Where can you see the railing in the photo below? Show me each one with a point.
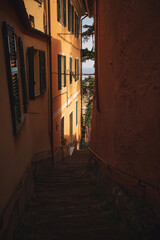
(140, 181)
(6, 213)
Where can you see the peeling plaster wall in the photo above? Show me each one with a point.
(126, 132)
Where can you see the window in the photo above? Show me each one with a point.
(23, 75)
(61, 11)
(70, 70)
(37, 72)
(62, 130)
(76, 69)
(10, 46)
(76, 113)
(61, 71)
(76, 25)
(70, 17)
(31, 19)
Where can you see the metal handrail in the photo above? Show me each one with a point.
(125, 173)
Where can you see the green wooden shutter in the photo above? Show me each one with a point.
(78, 26)
(12, 75)
(64, 71)
(23, 75)
(42, 71)
(75, 25)
(70, 70)
(77, 69)
(69, 17)
(72, 19)
(59, 72)
(59, 9)
(76, 112)
(30, 53)
(64, 12)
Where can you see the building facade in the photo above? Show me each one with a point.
(25, 108)
(125, 133)
(66, 69)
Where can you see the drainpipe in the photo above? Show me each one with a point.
(50, 63)
(81, 79)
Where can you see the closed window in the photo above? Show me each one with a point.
(76, 69)
(61, 11)
(36, 72)
(76, 113)
(76, 25)
(70, 17)
(61, 71)
(17, 88)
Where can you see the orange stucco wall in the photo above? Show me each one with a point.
(64, 101)
(16, 152)
(126, 131)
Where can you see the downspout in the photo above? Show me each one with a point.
(50, 63)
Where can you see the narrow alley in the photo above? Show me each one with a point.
(68, 204)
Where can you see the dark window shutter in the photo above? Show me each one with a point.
(64, 12)
(70, 70)
(42, 71)
(59, 72)
(75, 25)
(59, 9)
(12, 75)
(75, 69)
(76, 112)
(23, 75)
(72, 19)
(69, 17)
(30, 53)
(64, 71)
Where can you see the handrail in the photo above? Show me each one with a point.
(18, 188)
(125, 173)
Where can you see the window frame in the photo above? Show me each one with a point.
(62, 78)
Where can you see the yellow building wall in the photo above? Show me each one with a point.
(64, 101)
(39, 12)
(16, 152)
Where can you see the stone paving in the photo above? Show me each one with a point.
(63, 207)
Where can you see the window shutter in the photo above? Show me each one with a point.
(59, 9)
(75, 24)
(42, 70)
(75, 69)
(30, 53)
(69, 17)
(72, 19)
(64, 12)
(23, 75)
(59, 72)
(64, 71)
(12, 75)
(70, 70)
(76, 112)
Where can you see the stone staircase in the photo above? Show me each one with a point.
(65, 205)
(62, 206)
